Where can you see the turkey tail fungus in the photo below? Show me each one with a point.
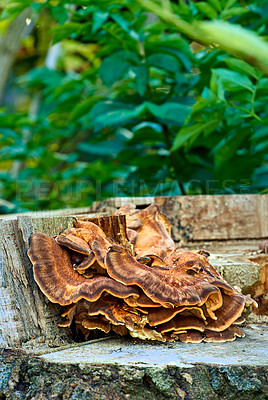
(123, 273)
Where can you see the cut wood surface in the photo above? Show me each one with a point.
(49, 214)
(207, 217)
(121, 369)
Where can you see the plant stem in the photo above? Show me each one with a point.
(172, 158)
(204, 32)
(246, 111)
(253, 97)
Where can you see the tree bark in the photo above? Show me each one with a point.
(26, 377)
(25, 313)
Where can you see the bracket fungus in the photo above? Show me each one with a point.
(124, 273)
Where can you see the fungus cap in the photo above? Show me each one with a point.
(54, 274)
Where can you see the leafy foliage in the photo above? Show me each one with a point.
(133, 107)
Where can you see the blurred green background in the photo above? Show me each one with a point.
(131, 98)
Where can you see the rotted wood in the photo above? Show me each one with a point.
(200, 218)
(259, 290)
(114, 226)
(25, 313)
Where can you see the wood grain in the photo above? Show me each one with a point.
(25, 313)
(206, 217)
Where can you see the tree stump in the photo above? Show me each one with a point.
(127, 368)
(25, 313)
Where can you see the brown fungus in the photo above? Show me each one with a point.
(88, 236)
(145, 333)
(152, 260)
(144, 301)
(231, 309)
(54, 273)
(113, 310)
(191, 336)
(68, 314)
(227, 335)
(153, 232)
(188, 261)
(86, 263)
(96, 323)
(162, 287)
(182, 323)
(88, 225)
(74, 243)
(161, 315)
(124, 273)
(120, 330)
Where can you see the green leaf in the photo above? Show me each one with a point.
(216, 86)
(146, 132)
(73, 29)
(229, 3)
(184, 9)
(164, 61)
(206, 9)
(172, 45)
(84, 108)
(112, 69)
(211, 126)
(170, 113)
(37, 6)
(11, 9)
(231, 12)
(125, 26)
(263, 83)
(60, 14)
(227, 147)
(261, 177)
(142, 79)
(260, 133)
(192, 132)
(99, 18)
(101, 149)
(215, 4)
(149, 126)
(68, 158)
(111, 115)
(232, 80)
(17, 152)
(163, 43)
(242, 67)
(261, 146)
